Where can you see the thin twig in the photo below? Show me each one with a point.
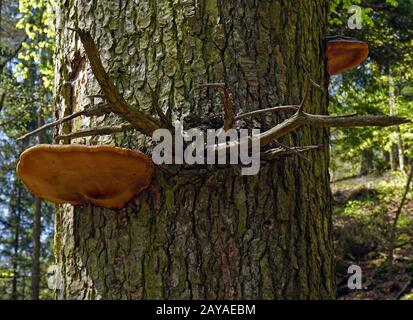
(316, 85)
(284, 152)
(97, 131)
(353, 120)
(96, 96)
(291, 149)
(300, 119)
(322, 121)
(267, 110)
(88, 112)
(226, 101)
(306, 93)
(396, 219)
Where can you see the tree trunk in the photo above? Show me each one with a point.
(16, 209)
(398, 152)
(201, 232)
(35, 276)
(37, 228)
(366, 161)
(23, 283)
(400, 149)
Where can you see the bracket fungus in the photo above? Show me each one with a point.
(104, 176)
(344, 53)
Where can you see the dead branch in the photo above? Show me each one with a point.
(353, 120)
(291, 149)
(301, 118)
(96, 131)
(306, 94)
(286, 152)
(97, 110)
(267, 110)
(316, 85)
(140, 120)
(226, 101)
(147, 124)
(285, 127)
(96, 96)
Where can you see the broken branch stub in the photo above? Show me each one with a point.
(226, 100)
(266, 110)
(300, 119)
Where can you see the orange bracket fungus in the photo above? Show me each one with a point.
(344, 53)
(104, 176)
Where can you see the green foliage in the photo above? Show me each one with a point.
(25, 81)
(19, 115)
(339, 14)
(37, 20)
(388, 30)
(364, 212)
(408, 296)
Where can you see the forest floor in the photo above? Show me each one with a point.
(364, 211)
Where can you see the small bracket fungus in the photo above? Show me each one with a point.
(344, 53)
(104, 176)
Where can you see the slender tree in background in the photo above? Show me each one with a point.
(399, 145)
(37, 224)
(393, 229)
(20, 247)
(25, 53)
(15, 209)
(201, 232)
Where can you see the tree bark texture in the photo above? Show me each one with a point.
(201, 232)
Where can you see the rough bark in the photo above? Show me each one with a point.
(200, 232)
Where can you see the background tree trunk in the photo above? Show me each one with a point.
(201, 232)
(366, 164)
(397, 153)
(35, 279)
(16, 209)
